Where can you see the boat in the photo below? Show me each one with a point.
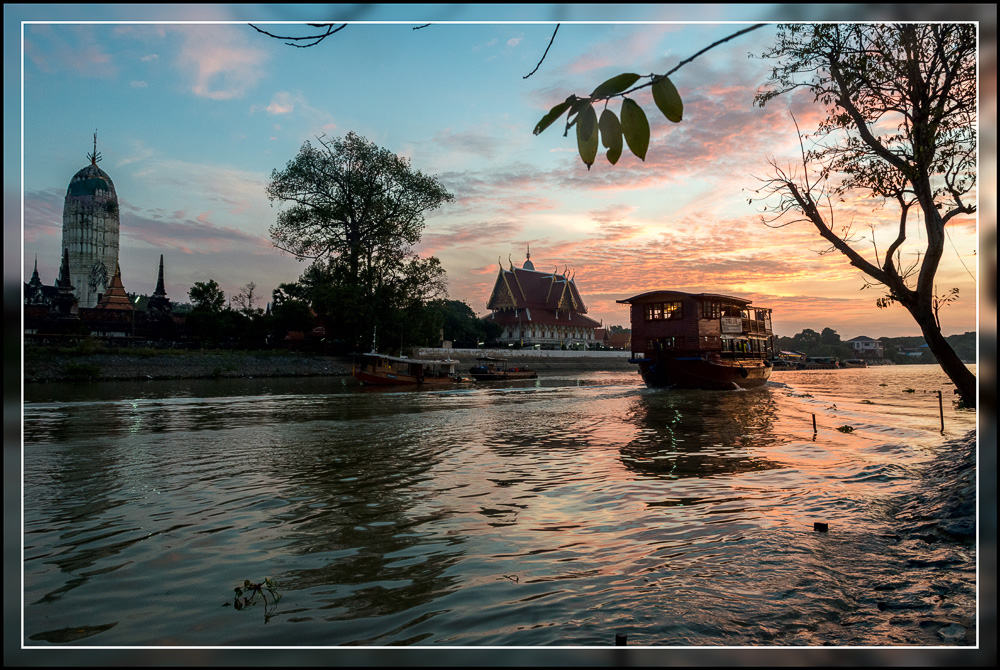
(820, 363)
(498, 370)
(382, 370)
(853, 363)
(700, 340)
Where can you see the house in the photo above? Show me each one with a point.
(866, 347)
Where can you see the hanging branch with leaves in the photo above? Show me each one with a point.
(633, 127)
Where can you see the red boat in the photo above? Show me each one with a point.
(700, 340)
(383, 370)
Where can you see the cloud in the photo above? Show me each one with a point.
(76, 49)
(138, 84)
(281, 103)
(218, 63)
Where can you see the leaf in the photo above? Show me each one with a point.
(611, 135)
(552, 115)
(667, 98)
(615, 85)
(586, 135)
(635, 127)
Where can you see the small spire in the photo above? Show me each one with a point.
(528, 255)
(160, 290)
(94, 157)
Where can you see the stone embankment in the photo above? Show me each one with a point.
(41, 366)
(48, 366)
(538, 359)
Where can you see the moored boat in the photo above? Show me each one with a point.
(498, 370)
(383, 370)
(700, 341)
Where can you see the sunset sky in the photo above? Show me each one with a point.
(193, 110)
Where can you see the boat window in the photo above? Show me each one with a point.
(659, 311)
(671, 342)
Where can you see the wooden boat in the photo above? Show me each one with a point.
(853, 363)
(384, 370)
(498, 370)
(820, 363)
(700, 341)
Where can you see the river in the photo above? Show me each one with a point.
(559, 512)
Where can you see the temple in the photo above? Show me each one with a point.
(91, 230)
(539, 309)
(86, 298)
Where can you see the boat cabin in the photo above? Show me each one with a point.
(382, 369)
(692, 324)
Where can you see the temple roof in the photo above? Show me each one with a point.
(115, 297)
(522, 288)
(540, 317)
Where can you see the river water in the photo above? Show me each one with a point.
(556, 512)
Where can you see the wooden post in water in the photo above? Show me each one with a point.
(814, 424)
(941, 408)
(621, 640)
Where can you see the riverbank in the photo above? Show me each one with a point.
(42, 365)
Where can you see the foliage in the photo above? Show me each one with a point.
(461, 326)
(356, 210)
(633, 126)
(352, 204)
(845, 429)
(900, 106)
(207, 296)
(247, 298)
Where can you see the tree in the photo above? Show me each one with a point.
(829, 336)
(356, 212)
(247, 298)
(207, 296)
(900, 128)
(354, 204)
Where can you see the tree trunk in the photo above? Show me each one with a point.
(957, 371)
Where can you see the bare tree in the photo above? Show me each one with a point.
(900, 127)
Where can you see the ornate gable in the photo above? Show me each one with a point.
(502, 296)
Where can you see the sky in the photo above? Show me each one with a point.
(194, 109)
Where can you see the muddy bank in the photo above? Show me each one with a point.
(42, 366)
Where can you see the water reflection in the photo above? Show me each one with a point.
(356, 502)
(701, 434)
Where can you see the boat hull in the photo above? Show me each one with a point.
(698, 373)
(503, 376)
(388, 379)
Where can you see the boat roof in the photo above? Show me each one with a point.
(664, 294)
(491, 358)
(404, 359)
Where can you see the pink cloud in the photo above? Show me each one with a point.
(219, 63)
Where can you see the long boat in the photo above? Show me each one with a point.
(498, 370)
(700, 340)
(382, 370)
